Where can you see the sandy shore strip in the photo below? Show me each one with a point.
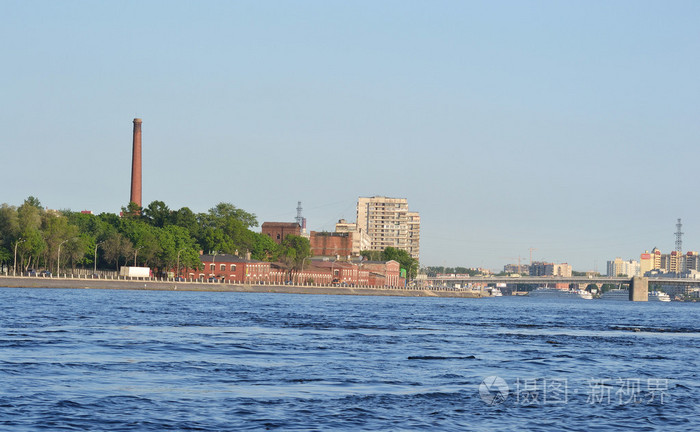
(42, 282)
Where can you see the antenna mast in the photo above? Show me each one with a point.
(299, 218)
(679, 237)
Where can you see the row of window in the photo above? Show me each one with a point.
(222, 267)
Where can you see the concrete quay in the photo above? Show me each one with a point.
(164, 285)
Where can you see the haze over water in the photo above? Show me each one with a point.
(133, 360)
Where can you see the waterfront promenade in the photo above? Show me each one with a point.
(171, 285)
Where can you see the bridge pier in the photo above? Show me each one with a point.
(639, 289)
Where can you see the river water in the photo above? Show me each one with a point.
(118, 360)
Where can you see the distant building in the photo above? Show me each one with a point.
(619, 267)
(413, 234)
(516, 268)
(550, 269)
(672, 263)
(656, 259)
(646, 263)
(360, 240)
(692, 261)
(332, 244)
(230, 268)
(277, 231)
(388, 223)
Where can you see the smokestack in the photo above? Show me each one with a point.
(136, 164)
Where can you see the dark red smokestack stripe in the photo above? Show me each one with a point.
(136, 164)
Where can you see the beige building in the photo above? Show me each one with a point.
(618, 267)
(413, 234)
(673, 262)
(389, 223)
(646, 263)
(360, 240)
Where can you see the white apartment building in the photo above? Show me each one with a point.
(618, 267)
(389, 223)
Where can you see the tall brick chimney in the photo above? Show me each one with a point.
(136, 164)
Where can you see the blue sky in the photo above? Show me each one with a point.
(568, 127)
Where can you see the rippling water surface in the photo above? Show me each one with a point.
(152, 360)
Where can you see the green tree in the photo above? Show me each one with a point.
(117, 247)
(371, 255)
(157, 214)
(407, 262)
(226, 210)
(264, 248)
(132, 210)
(57, 232)
(293, 251)
(29, 217)
(144, 238)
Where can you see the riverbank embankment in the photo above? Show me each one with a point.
(158, 285)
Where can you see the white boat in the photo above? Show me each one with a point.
(560, 293)
(659, 296)
(616, 294)
(495, 292)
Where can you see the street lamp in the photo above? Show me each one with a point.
(19, 240)
(178, 263)
(95, 259)
(58, 260)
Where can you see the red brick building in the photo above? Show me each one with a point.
(373, 273)
(233, 269)
(277, 231)
(384, 273)
(331, 244)
(230, 268)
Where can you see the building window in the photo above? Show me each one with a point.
(223, 267)
(233, 267)
(212, 267)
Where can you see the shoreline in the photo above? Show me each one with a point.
(152, 285)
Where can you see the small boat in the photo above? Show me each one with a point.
(659, 296)
(495, 292)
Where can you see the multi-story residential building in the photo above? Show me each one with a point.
(646, 263)
(692, 261)
(619, 267)
(413, 234)
(550, 269)
(656, 259)
(516, 268)
(388, 223)
(673, 262)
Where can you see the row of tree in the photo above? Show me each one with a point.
(153, 236)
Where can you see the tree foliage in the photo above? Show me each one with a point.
(293, 251)
(407, 263)
(153, 236)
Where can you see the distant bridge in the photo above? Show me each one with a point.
(542, 280)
